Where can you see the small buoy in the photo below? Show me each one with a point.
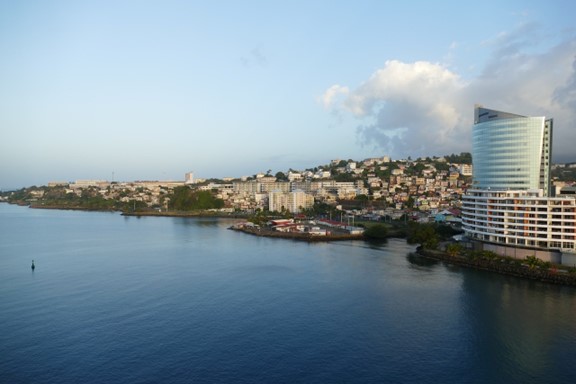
(33, 266)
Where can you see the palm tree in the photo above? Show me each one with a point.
(453, 249)
(532, 261)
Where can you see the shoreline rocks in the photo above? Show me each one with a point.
(504, 266)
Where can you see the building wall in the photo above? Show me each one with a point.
(466, 170)
(189, 178)
(283, 186)
(246, 187)
(524, 219)
(293, 202)
(552, 256)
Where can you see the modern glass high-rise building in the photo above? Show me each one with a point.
(511, 151)
(509, 209)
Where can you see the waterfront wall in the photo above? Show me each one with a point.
(569, 259)
(553, 256)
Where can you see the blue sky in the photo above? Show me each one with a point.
(148, 90)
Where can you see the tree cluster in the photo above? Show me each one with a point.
(429, 235)
(462, 158)
(185, 199)
(376, 232)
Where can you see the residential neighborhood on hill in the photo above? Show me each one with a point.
(375, 188)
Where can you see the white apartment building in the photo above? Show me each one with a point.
(293, 202)
(465, 169)
(522, 223)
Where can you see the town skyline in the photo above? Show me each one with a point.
(424, 183)
(146, 91)
(260, 172)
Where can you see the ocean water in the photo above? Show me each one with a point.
(118, 299)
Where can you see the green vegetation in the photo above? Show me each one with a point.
(384, 171)
(281, 176)
(320, 209)
(259, 218)
(533, 262)
(376, 232)
(429, 235)
(462, 158)
(423, 234)
(454, 249)
(441, 166)
(91, 198)
(344, 177)
(564, 174)
(262, 217)
(414, 169)
(185, 199)
(58, 197)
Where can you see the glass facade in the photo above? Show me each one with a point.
(511, 151)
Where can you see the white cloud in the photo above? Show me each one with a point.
(405, 106)
(331, 94)
(423, 108)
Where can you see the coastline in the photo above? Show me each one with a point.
(136, 213)
(66, 208)
(184, 214)
(503, 266)
(297, 236)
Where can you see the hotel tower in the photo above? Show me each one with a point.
(510, 209)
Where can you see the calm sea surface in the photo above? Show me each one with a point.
(119, 299)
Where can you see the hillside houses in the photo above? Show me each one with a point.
(405, 184)
(422, 185)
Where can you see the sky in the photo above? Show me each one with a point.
(150, 90)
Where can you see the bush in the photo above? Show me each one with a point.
(184, 199)
(423, 234)
(376, 232)
(454, 249)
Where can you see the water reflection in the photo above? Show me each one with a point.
(421, 261)
(377, 244)
(520, 338)
(116, 290)
(204, 221)
(196, 221)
